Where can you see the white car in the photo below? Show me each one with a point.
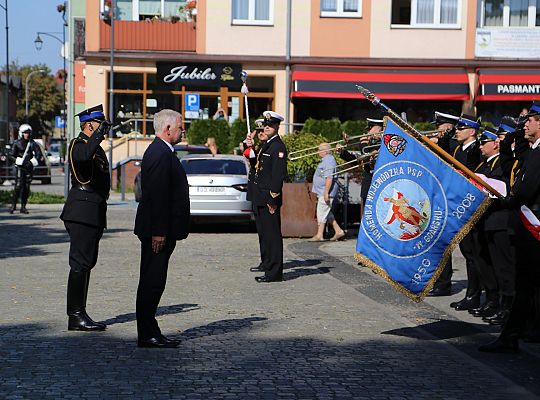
(218, 187)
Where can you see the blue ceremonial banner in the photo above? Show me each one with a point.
(417, 210)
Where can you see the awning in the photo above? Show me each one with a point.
(508, 84)
(395, 83)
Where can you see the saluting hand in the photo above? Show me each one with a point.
(158, 242)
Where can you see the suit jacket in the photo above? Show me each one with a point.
(164, 206)
(87, 199)
(270, 173)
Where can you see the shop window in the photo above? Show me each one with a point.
(427, 13)
(341, 8)
(128, 81)
(263, 84)
(128, 107)
(252, 12)
(510, 13)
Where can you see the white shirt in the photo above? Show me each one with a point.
(168, 144)
(463, 147)
(492, 157)
(536, 144)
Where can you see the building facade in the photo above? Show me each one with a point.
(304, 57)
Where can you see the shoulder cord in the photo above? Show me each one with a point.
(73, 166)
(513, 173)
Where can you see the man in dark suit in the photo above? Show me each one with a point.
(162, 219)
(84, 212)
(271, 169)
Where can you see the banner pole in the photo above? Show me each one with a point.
(433, 146)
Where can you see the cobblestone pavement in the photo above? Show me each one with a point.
(331, 330)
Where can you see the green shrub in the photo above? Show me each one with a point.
(330, 129)
(35, 197)
(238, 132)
(304, 168)
(424, 126)
(200, 129)
(355, 128)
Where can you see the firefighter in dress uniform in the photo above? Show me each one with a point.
(84, 212)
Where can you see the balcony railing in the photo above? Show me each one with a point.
(149, 35)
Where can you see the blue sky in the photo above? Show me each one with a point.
(26, 18)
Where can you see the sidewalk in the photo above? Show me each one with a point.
(321, 334)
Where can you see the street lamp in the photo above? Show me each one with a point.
(38, 42)
(38, 71)
(5, 8)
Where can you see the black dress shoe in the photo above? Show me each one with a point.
(159, 342)
(258, 268)
(501, 345)
(265, 279)
(24, 211)
(80, 321)
(467, 303)
(177, 341)
(440, 291)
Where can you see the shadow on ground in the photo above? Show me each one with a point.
(234, 359)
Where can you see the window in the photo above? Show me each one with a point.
(138, 10)
(252, 12)
(510, 13)
(427, 13)
(341, 8)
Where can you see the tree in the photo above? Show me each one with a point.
(44, 98)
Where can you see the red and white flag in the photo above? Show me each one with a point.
(530, 221)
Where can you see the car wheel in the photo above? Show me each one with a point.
(46, 181)
(137, 190)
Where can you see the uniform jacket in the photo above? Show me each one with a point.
(495, 218)
(89, 168)
(252, 168)
(526, 190)
(164, 206)
(271, 171)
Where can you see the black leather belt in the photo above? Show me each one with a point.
(83, 187)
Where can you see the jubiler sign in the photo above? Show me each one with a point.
(175, 75)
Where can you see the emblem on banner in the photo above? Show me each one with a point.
(398, 209)
(395, 144)
(406, 209)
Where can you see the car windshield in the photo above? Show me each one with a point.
(214, 167)
(55, 148)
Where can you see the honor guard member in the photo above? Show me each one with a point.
(270, 173)
(23, 155)
(467, 151)
(446, 126)
(492, 241)
(525, 192)
(84, 212)
(251, 152)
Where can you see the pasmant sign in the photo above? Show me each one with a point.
(176, 75)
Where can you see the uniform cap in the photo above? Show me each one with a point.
(468, 121)
(535, 109)
(507, 125)
(272, 117)
(442, 118)
(488, 135)
(374, 122)
(259, 124)
(92, 114)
